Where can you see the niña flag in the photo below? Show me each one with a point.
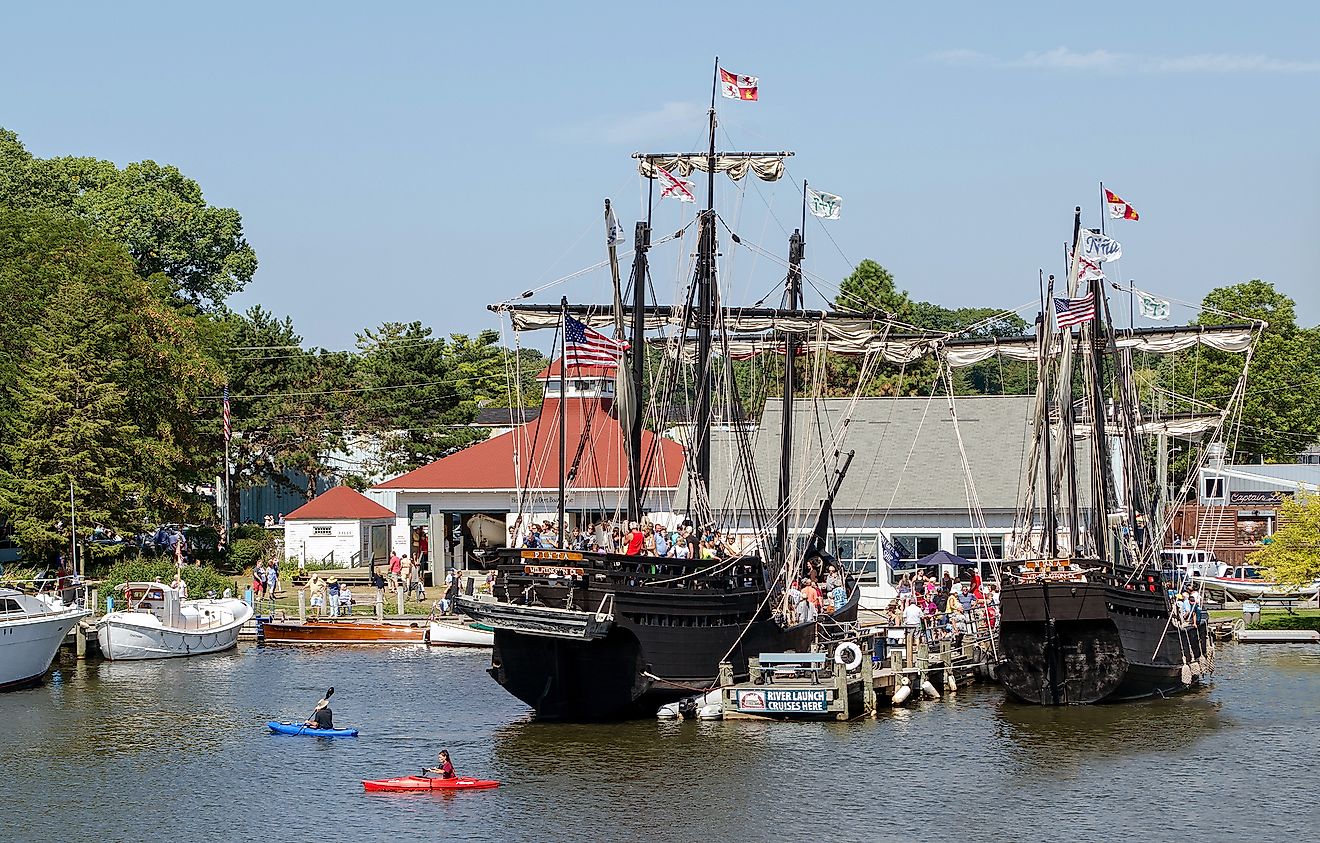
(674, 186)
(737, 87)
(824, 205)
(225, 410)
(1118, 209)
(1069, 312)
(585, 346)
(1094, 246)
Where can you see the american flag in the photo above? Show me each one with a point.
(587, 347)
(1071, 312)
(226, 412)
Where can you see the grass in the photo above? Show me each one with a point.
(1232, 614)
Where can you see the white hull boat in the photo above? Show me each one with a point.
(458, 634)
(1245, 582)
(31, 630)
(161, 624)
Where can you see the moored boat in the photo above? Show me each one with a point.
(161, 623)
(455, 633)
(31, 630)
(1246, 582)
(321, 631)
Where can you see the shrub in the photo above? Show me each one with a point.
(246, 553)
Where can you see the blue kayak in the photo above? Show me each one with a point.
(300, 729)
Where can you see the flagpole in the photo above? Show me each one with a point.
(804, 210)
(1102, 208)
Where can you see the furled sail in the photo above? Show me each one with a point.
(766, 166)
(1179, 427)
(1232, 338)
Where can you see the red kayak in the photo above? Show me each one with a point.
(428, 783)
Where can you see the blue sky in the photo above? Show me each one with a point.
(398, 161)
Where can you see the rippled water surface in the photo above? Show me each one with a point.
(178, 750)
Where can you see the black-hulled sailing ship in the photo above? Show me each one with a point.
(586, 635)
(1086, 613)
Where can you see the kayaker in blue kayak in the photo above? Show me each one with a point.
(446, 768)
(322, 717)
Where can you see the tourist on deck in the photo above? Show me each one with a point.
(660, 541)
(636, 540)
(314, 587)
(794, 594)
(912, 615)
(346, 600)
(811, 594)
(839, 597)
(805, 612)
(681, 548)
(532, 538)
(833, 579)
(333, 588)
(693, 541)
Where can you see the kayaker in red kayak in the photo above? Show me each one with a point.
(446, 768)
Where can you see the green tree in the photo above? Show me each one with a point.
(870, 288)
(103, 390)
(154, 210)
(1293, 555)
(1281, 413)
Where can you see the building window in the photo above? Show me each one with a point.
(1214, 487)
(915, 546)
(319, 530)
(979, 547)
(857, 553)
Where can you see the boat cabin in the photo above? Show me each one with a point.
(171, 608)
(1182, 563)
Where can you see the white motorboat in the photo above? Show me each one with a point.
(31, 629)
(160, 623)
(1246, 581)
(456, 633)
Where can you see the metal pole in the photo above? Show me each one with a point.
(73, 529)
(563, 432)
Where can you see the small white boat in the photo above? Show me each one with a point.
(441, 633)
(1246, 581)
(31, 629)
(160, 623)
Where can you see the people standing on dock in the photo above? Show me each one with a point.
(332, 588)
(396, 565)
(314, 588)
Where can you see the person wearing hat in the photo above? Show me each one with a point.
(332, 587)
(322, 717)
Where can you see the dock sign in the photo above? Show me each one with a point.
(782, 700)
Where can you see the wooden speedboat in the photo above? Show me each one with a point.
(342, 632)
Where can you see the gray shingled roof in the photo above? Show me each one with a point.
(910, 442)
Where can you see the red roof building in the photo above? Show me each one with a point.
(340, 526)
(337, 504)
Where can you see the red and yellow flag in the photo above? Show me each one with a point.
(1118, 209)
(737, 87)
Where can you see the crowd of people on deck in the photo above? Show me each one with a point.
(814, 595)
(944, 608)
(635, 538)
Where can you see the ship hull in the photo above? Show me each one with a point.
(624, 644)
(1076, 643)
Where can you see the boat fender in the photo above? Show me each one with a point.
(1186, 674)
(900, 696)
(668, 711)
(929, 690)
(710, 712)
(950, 683)
(848, 655)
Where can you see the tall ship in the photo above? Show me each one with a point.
(1087, 613)
(592, 634)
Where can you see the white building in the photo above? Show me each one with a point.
(340, 527)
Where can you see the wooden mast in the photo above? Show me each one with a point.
(636, 490)
(704, 317)
(563, 414)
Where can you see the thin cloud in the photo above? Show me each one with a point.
(1108, 61)
(670, 119)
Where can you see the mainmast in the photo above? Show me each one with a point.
(705, 282)
(641, 242)
(792, 301)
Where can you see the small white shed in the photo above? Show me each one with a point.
(339, 527)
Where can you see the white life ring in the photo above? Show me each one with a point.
(848, 655)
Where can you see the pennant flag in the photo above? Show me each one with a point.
(585, 346)
(737, 87)
(824, 205)
(225, 412)
(1089, 271)
(613, 231)
(1094, 246)
(1069, 312)
(1118, 209)
(679, 189)
(1152, 307)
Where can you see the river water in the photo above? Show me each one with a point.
(178, 750)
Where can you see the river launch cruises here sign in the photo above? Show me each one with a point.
(785, 700)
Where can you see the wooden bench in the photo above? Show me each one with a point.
(1280, 601)
(791, 666)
